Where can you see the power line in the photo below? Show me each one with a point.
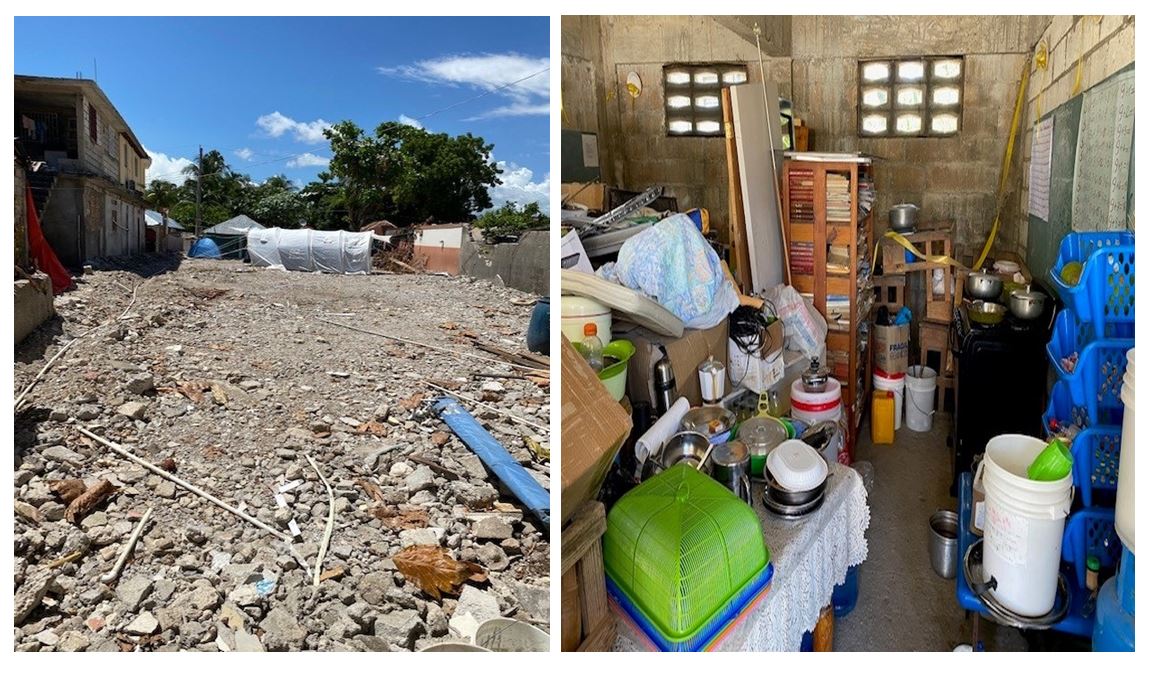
(483, 94)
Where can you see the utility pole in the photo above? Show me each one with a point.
(199, 178)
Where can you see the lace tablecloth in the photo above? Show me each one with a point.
(811, 557)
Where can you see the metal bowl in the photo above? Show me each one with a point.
(685, 446)
(789, 511)
(1026, 304)
(986, 313)
(983, 286)
(709, 420)
(781, 495)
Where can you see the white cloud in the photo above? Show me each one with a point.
(519, 187)
(277, 124)
(411, 122)
(491, 73)
(308, 159)
(244, 153)
(165, 167)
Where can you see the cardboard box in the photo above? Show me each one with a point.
(892, 344)
(686, 353)
(593, 428)
(591, 196)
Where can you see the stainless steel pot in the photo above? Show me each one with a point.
(1026, 304)
(944, 543)
(903, 217)
(781, 495)
(983, 286)
(731, 466)
(686, 446)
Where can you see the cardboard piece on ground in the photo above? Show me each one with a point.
(686, 353)
(892, 344)
(593, 428)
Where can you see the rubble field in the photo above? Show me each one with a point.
(225, 375)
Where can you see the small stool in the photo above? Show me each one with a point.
(889, 290)
(935, 338)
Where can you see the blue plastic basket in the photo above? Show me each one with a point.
(1070, 335)
(1062, 411)
(1096, 464)
(1098, 378)
(1105, 292)
(1091, 531)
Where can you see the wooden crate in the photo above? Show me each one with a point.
(935, 338)
(889, 291)
(929, 242)
(588, 624)
(940, 306)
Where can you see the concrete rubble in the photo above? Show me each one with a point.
(226, 371)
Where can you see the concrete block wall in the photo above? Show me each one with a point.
(523, 265)
(1106, 45)
(21, 216)
(953, 178)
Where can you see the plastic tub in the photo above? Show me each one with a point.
(509, 635)
(1023, 531)
(1125, 483)
(575, 311)
(894, 383)
(920, 397)
(614, 377)
(796, 466)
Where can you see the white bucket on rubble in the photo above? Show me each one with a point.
(1023, 531)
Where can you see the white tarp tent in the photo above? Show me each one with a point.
(304, 250)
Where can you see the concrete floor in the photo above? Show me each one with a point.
(903, 605)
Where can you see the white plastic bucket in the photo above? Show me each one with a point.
(812, 407)
(920, 397)
(576, 311)
(509, 635)
(893, 383)
(1125, 493)
(1023, 531)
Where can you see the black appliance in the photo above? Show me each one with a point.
(1000, 381)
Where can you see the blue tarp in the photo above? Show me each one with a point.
(204, 248)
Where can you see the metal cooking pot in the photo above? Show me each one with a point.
(781, 495)
(983, 286)
(815, 378)
(731, 466)
(686, 446)
(903, 217)
(1026, 304)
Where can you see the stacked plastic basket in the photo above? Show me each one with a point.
(1094, 276)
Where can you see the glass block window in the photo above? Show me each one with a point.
(920, 96)
(691, 94)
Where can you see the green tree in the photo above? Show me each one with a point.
(362, 167)
(323, 204)
(509, 221)
(162, 194)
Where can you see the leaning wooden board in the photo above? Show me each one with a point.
(755, 139)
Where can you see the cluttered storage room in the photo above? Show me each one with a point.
(848, 333)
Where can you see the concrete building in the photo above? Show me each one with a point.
(440, 246)
(89, 188)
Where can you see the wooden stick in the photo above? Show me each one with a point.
(435, 466)
(327, 528)
(489, 407)
(183, 483)
(111, 574)
(426, 346)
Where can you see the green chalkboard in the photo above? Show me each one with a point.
(1044, 236)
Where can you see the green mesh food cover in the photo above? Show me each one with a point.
(684, 550)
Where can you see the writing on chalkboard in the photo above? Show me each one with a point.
(1103, 156)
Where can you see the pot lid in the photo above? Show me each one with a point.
(762, 434)
(796, 466)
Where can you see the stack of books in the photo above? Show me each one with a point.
(801, 257)
(801, 194)
(838, 198)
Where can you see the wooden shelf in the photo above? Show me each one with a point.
(809, 234)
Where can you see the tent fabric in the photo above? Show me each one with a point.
(156, 219)
(306, 250)
(204, 248)
(240, 225)
(42, 251)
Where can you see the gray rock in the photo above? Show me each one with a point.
(53, 511)
(162, 590)
(145, 624)
(400, 627)
(135, 410)
(480, 604)
(133, 590)
(437, 621)
(95, 519)
(475, 497)
(426, 536)
(21, 477)
(73, 642)
(420, 479)
(172, 616)
(166, 489)
(374, 586)
(59, 453)
(492, 557)
(246, 642)
(194, 632)
(87, 412)
(492, 527)
(371, 643)
(47, 637)
(203, 596)
(140, 384)
(281, 631)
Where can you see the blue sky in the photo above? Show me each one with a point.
(261, 89)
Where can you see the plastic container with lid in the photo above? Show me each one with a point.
(575, 311)
(796, 466)
(883, 409)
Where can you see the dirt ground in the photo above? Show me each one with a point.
(230, 372)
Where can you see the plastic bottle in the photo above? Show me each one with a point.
(592, 347)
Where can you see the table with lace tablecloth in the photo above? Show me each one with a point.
(811, 556)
